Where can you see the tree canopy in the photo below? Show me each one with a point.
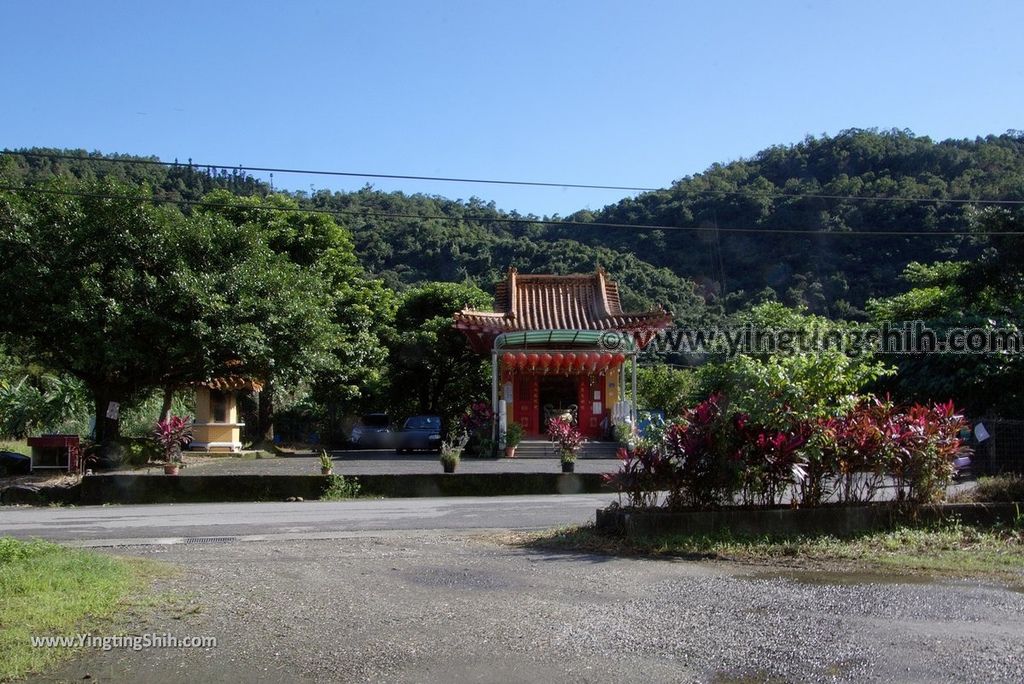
(127, 296)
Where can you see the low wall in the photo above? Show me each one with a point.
(827, 520)
(134, 489)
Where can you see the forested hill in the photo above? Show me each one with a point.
(801, 187)
(411, 238)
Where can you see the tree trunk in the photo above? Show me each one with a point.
(165, 409)
(108, 430)
(265, 413)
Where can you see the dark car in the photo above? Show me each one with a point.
(13, 463)
(373, 431)
(421, 433)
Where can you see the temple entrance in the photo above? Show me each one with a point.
(559, 396)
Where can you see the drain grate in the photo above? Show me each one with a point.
(208, 540)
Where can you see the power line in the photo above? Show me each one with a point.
(491, 181)
(370, 213)
(349, 174)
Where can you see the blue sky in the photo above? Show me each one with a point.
(623, 93)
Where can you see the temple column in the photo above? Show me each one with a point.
(633, 409)
(494, 394)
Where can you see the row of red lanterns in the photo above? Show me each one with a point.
(564, 362)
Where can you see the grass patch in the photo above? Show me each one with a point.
(997, 488)
(947, 548)
(17, 446)
(51, 590)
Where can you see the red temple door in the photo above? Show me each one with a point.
(591, 406)
(526, 407)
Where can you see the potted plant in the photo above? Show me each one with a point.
(568, 461)
(513, 436)
(172, 434)
(450, 455)
(569, 440)
(326, 465)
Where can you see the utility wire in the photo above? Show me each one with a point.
(491, 181)
(370, 213)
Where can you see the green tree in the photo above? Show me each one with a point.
(661, 386)
(986, 294)
(127, 296)
(813, 379)
(432, 368)
(350, 366)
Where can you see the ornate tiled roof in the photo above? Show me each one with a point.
(558, 302)
(232, 382)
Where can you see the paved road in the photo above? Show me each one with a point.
(100, 525)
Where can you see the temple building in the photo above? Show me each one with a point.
(560, 346)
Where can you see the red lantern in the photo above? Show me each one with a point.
(531, 360)
(619, 358)
(508, 360)
(606, 360)
(556, 362)
(577, 361)
(545, 362)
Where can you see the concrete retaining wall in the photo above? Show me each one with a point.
(133, 489)
(831, 520)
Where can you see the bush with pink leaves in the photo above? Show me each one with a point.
(711, 457)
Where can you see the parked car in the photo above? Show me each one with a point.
(373, 431)
(421, 433)
(13, 463)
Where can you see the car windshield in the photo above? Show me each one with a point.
(423, 423)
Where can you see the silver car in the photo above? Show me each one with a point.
(373, 431)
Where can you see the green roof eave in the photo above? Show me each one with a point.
(592, 338)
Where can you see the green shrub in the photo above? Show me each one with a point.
(340, 488)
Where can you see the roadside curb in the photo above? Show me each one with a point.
(832, 520)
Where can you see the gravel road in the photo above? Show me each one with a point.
(427, 606)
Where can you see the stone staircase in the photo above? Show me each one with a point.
(543, 449)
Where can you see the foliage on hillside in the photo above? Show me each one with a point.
(829, 272)
(409, 239)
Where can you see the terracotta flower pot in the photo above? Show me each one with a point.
(170, 469)
(510, 452)
(326, 471)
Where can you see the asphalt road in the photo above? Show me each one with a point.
(167, 523)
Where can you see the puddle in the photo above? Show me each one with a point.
(842, 578)
(461, 579)
(745, 677)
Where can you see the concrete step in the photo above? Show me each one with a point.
(543, 449)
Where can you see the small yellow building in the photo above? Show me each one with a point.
(217, 426)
